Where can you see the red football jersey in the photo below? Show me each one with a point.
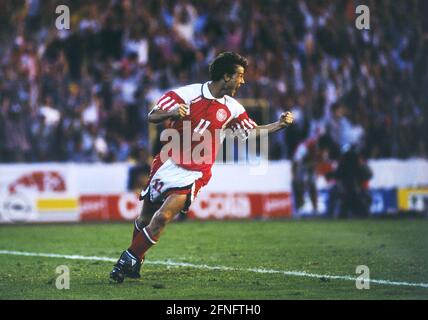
(202, 130)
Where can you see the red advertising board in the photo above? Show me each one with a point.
(122, 207)
(117, 207)
(241, 205)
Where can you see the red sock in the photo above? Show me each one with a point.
(134, 234)
(142, 242)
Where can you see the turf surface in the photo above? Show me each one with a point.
(394, 250)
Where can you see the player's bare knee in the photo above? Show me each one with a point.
(162, 217)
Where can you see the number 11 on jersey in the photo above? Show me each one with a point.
(202, 126)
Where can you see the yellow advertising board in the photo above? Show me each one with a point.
(413, 199)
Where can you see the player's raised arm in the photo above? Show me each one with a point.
(169, 106)
(285, 120)
(158, 115)
(242, 126)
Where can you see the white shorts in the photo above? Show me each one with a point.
(170, 178)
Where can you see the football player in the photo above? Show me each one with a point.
(179, 172)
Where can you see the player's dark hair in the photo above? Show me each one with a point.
(225, 63)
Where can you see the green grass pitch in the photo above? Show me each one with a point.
(395, 250)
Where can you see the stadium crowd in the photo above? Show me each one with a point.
(83, 94)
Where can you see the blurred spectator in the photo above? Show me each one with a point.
(96, 81)
(340, 128)
(350, 197)
(309, 156)
(14, 125)
(140, 170)
(184, 20)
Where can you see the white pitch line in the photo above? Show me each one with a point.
(170, 263)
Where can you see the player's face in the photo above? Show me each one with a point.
(236, 81)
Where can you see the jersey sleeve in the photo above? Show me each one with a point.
(169, 102)
(242, 125)
(173, 98)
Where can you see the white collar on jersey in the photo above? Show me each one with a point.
(207, 93)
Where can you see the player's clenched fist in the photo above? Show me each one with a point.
(286, 118)
(182, 111)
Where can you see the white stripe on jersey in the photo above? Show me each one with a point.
(174, 107)
(248, 124)
(244, 126)
(168, 105)
(162, 101)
